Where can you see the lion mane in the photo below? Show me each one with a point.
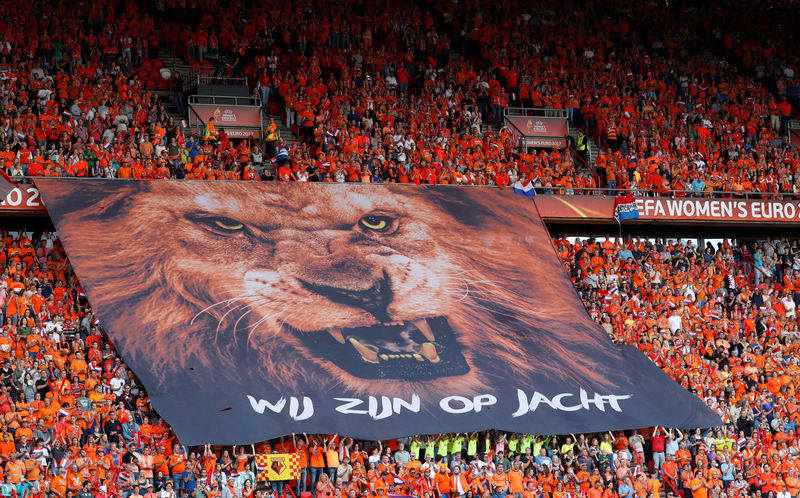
(189, 276)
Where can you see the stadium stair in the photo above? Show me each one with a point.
(594, 149)
(284, 132)
(455, 55)
(175, 63)
(173, 60)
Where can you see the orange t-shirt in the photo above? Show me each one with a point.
(594, 492)
(701, 492)
(59, 486)
(303, 457)
(316, 456)
(515, 479)
(78, 367)
(443, 480)
(178, 463)
(500, 479)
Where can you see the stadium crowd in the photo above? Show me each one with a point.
(392, 92)
(404, 93)
(721, 321)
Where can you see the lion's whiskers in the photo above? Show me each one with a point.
(236, 326)
(486, 296)
(222, 318)
(218, 303)
(492, 283)
(465, 288)
(495, 311)
(276, 315)
(458, 284)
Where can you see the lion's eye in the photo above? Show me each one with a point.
(376, 223)
(220, 224)
(228, 224)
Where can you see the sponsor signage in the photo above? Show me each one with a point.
(540, 131)
(563, 207)
(22, 198)
(239, 121)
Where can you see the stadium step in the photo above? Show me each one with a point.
(594, 149)
(173, 61)
(284, 132)
(455, 55)
(488, 127)
(167, 97)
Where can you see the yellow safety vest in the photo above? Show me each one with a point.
(211, 131)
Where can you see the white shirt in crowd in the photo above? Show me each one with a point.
(789, 306)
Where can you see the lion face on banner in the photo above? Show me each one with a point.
(390, 291)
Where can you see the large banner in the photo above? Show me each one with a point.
(253, 310)
(232, 118)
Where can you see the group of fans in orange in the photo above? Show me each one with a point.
(389, 92)
(76, 421)
(376, 101)
(403, 94)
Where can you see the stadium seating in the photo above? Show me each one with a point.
(378, 103)
(720, 325)
(684, 100)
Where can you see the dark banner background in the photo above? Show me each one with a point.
(253, 310)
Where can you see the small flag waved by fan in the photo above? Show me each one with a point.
(625, 208)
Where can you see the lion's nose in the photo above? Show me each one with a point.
(374, 299)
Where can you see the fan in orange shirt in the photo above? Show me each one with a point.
(441, 482)
(78, 367)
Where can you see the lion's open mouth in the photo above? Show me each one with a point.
(411, 350)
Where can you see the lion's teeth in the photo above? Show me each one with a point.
(337, 334)
(384, 357)
(366, 353)
(418, 357)
(428, 350)
(423, 327)
(394, 323)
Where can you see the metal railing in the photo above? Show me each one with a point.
(213, 77)
(194, 75)
(252, 100)
(718, 194)
(793, 130)
(196, 123)
(542, 112)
